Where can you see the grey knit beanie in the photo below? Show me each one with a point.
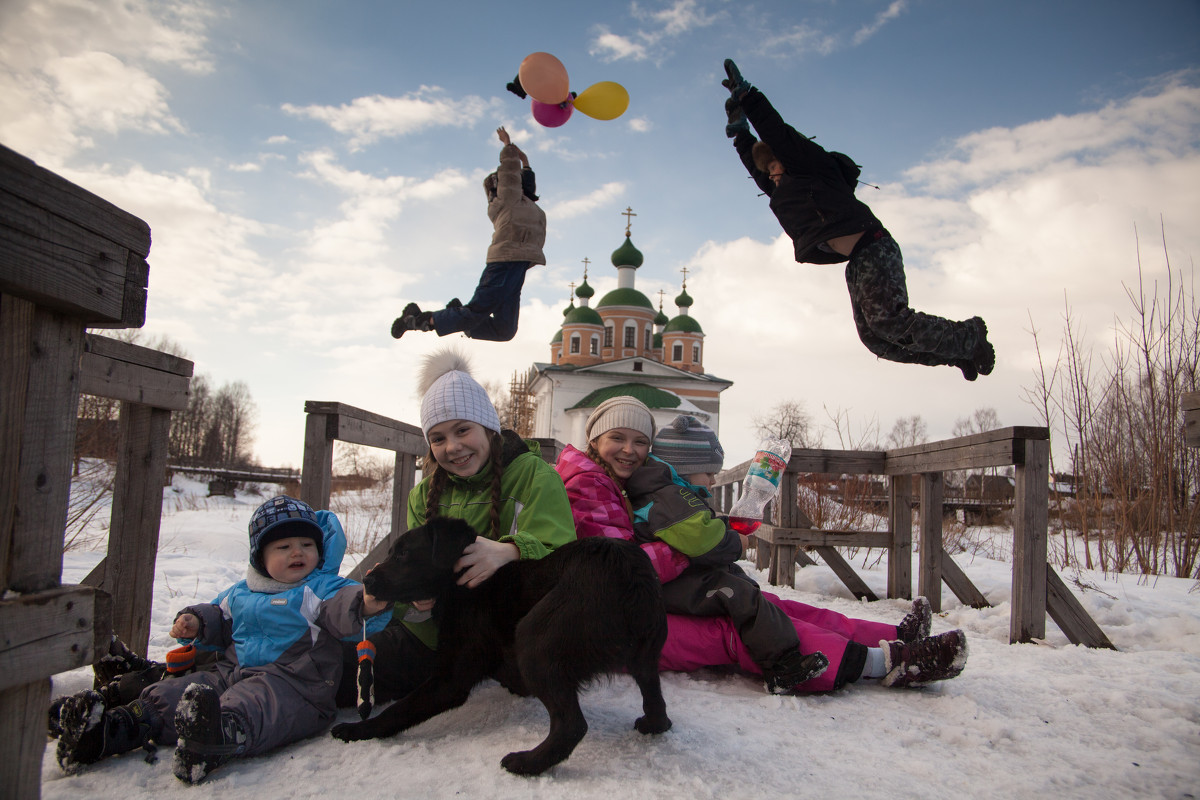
(620, 412)
(690, 446)
(449, 392)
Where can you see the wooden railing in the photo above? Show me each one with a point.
(1037, 589)
(68, 260)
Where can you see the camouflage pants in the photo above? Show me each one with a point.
(886, 325)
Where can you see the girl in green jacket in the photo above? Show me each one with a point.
(479, 473)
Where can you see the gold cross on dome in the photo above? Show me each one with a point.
(629, 215)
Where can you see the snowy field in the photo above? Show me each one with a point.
(1047, 719)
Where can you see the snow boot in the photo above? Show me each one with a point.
(90, 732)
(936, 658)
(915, 626)
(412, 319)
(119, 661)
(983, 357)
(793, 669)
(208, 737)
(735, 83)
(454, 303)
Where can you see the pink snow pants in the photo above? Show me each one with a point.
(695, 642)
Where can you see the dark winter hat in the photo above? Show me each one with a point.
(762, 155)
(529, 184)
(690, 446)
(280, 518)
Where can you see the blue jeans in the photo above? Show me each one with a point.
(492, 313)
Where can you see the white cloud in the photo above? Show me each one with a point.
(894, 10)
(640, 125)
(75, 67)
(670, 22)
(583, 205)
(368, 119)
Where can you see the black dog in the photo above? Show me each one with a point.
(543, 627)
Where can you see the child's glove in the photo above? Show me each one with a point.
(737, 122)
(181, 659)
(735, 83)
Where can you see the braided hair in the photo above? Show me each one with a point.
(594, 455)
(439, 478)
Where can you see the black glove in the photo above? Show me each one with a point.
(735, 83)
(516, 88)
(736, 118)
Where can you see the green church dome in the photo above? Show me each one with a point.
(627, 255)
(684, 300)
(682, 324)
(625, 297)
(583, 316)
(651, 396)
(584, 290)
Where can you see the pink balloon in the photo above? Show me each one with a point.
(551, 116)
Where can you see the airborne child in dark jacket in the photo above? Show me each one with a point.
(279, 630)
(812, 196)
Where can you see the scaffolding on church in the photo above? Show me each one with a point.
(521, 403)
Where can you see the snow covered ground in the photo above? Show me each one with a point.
(1047, 719)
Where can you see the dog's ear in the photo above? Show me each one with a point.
(448, 536)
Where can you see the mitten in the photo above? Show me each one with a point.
(737, 122)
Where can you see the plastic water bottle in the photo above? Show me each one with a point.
(761, 484)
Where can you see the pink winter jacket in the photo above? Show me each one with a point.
(598, 507)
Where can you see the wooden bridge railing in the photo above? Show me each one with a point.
(1037, 590)
(68, 260)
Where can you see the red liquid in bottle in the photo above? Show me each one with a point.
(744, 525)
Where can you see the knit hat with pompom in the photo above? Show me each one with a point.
(449, 392)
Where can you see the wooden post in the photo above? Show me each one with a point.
(900, 526)
(1030, 513)
(316, 472)
(136, 519)
(929, 583)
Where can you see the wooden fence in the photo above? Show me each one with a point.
(68, 260)
(1037, 589)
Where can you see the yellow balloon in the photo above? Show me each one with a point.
(603, 100)
(544, 78)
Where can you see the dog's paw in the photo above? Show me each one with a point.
(352, 732)
(524, 762)
(650, 724)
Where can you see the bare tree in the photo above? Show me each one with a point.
(908, 431)
(789, 421)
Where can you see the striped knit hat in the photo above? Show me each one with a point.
(449, 392)
(690, 446)
(620, 412)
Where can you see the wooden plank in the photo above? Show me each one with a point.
(23, 739)
(316, 473)
(990, 449)
(1069, 614)
(119, 380)
(1028, 619)
(343, 410)
(367, 432)
(929, 579)
(836, 462)
(46, 633)
(961, 585)
(44, 189)
(899, 582)
(47, 447)
(60, 266)
(136, 519)
(16, 344)
(846, 573)
(137, 355)
(819, 537)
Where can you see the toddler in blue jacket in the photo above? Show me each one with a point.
(280, 633)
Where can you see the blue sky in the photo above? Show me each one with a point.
(307, 168)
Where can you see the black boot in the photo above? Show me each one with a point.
(793, 669)
(208, 737)
(90, 732)
(915, 626)
(936, 658)
(119, 661)
(983, 357)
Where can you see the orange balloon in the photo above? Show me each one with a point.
(544, 78)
